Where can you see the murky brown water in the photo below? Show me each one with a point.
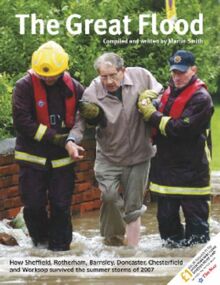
(87, 244)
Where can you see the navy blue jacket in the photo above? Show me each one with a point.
(29, 150)
(181, 164)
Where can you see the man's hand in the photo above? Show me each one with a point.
(74, 150)
(59, 139)
(146, 107)
(88, 110)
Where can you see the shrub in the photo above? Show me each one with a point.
(6, 128)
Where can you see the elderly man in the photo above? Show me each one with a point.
(124, 146)
(180, 170)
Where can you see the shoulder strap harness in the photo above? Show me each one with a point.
(41, 100)
(181, 100)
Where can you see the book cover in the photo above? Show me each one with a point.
(145, 33)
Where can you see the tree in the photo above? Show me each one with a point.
(146, 50)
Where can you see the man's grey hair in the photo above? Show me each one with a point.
(109, 59)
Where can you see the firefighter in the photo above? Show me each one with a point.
(180, 175)
(44, 108)
(124, 146)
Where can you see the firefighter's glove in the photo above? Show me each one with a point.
(151, 94)
(146, 107)
(59, 140)
(88, 110)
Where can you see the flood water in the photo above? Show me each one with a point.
(87, 244)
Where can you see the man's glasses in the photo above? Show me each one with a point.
(113, 76)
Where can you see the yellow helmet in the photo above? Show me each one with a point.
(49, 60)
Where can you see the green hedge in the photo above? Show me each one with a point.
(6, 129)
(215, 165)
(16, 49)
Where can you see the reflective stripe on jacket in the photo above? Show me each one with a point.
(175, 190)
(23, 156)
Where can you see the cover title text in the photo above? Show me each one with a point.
(76, 26)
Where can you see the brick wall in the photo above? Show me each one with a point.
(86, 193)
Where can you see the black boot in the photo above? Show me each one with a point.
(36, 220)
(60, 230)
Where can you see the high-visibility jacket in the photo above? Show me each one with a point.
(181, 164)
(39, 112)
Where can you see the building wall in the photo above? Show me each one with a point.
(86, 193)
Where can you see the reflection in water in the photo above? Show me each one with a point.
(87, 243)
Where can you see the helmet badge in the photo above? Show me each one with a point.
(177, 59)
